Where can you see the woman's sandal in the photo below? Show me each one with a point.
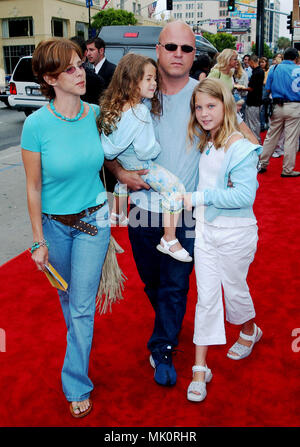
(180, 255)
(243, 351)
(82, 413)
(197, 386)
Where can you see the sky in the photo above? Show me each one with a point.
(285, 6)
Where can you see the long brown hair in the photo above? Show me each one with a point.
(123, 89)
(217, 89)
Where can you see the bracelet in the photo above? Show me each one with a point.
(37, 245)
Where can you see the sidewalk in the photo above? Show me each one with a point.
(15, 228)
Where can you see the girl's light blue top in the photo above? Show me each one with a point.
(133, 141)
(240, 166)
(71, 158)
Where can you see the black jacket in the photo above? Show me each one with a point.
(107, 71)
(95, 85)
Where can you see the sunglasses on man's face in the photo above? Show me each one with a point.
(174, 46)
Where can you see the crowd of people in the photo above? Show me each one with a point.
(182, 138)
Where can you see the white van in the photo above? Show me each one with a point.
(24, 93)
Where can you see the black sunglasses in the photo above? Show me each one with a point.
(174, 46)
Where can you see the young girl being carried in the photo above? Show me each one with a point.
(127, 133)
(226, 230)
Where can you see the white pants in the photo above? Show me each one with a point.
(222, 258)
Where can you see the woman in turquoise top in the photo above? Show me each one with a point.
(67, 204)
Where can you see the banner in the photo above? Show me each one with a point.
(249, 9)
(151, 9)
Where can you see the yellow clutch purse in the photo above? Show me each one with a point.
(54, 278)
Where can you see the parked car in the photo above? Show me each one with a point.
(120, 40)
(24, 92)
(4, 90)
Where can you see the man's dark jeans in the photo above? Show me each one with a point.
(166, 279)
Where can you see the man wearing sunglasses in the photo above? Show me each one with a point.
(166, 280)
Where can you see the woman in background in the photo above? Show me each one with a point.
(224, 68)
(264, 64)
(240, 79)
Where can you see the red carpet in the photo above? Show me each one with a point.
(262, 390)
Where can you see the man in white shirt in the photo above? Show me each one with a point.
(246, 65)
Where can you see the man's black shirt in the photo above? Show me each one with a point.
(254, 98)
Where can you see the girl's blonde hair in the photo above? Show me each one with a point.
(224, 58)
(217, 89)
(238, 72)
(123, 89)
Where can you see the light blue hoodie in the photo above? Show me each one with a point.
(240, 166)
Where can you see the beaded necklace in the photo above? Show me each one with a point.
(65, 118)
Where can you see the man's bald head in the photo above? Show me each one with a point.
(176, 26)
(176, 64)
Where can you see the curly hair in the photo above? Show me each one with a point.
(51, 57)
(124, 89)
(217, 89)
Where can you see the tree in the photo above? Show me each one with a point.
(283, 43)
(267, 51)
(221, 40)
(113, 17)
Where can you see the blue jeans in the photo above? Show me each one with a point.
(166, 279)
(79, 258)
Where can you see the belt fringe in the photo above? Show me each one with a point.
(112, 279)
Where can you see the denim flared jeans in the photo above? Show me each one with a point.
(78, 257)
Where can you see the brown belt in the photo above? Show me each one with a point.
(73, 220)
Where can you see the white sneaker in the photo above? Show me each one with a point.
(278, 153)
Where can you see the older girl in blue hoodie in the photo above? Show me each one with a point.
(226, 230)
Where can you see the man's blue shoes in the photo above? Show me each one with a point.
(161, 360)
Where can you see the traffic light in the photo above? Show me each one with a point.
(231, 5)
(228, 22)
(169, 5)
(290, 22)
